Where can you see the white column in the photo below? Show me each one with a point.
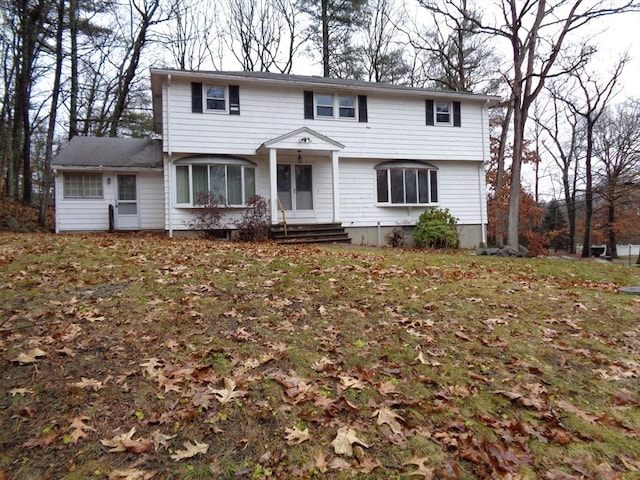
(273, 182)
(336, 186)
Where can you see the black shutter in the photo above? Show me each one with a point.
(234, 100)
(196, 97)
(457, 118)
(308, 104)
(429, 106)
(362, 109)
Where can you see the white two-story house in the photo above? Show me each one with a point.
(368, 156)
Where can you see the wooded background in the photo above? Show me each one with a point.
(80, 67)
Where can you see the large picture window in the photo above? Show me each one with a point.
(406, 183)
(82, 185)
(232, 183)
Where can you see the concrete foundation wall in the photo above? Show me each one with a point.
(470, 236)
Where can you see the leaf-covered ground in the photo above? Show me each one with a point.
(137, 357)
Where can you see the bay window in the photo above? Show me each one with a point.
(231, 181)
(406, 183)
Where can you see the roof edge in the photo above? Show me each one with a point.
(268, 78)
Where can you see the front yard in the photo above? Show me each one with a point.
(137, 357)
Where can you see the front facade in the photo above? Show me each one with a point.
(370, 156)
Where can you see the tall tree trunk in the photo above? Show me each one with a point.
(124, 84)
(46, 187)
(73, 93)
(502, 147)
(516, 168)
(325, 38)
(588, 193)
(612, 243)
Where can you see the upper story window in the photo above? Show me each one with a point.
(230, 181)
(347, 106)
(213, 98)
(406, 184)
(216, 98)
(443, 113)
(329, 105)
(324, 105)
(82, 185)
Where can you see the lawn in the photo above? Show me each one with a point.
(139, 356)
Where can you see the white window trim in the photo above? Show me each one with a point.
(225, 89)
(65, 177)
(335, 105)
(355, 107)
(435, 113)
(388, 166)
(191, 204)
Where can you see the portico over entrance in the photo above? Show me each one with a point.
(304, 180)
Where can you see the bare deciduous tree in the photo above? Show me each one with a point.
(616, 146)
(262, 34)
(589, 105)
(562, 142)
(536, 31)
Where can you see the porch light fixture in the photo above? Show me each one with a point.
(299, 159)
(108, 180)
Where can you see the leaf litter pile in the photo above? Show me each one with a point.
(139, 357)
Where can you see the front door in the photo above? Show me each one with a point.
(127, 217)
(295, 188)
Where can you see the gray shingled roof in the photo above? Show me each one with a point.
(110, 152)
(310, 81)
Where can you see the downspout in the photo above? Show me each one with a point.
(483, 194)
(169, 200)
(56, 199)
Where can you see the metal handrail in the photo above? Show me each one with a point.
(284, 217)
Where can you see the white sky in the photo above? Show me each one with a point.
(621, 33)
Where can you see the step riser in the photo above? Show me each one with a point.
(310, 233)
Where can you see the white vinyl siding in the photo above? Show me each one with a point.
(92, 214)
(459, 191)
(395, 127)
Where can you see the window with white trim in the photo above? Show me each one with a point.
(347, 106)
(324, 105)
(232, 184)
(82, 185)
(215, 98)
(443, 113)
(406, 183)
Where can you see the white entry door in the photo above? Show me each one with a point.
(295, 188)
(127, 211)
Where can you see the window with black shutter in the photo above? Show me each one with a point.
(429, 111)
(234, 100)
(362, 109)
(196, 97)
(308, 104)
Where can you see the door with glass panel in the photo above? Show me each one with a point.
(127, 211)
(295, 190)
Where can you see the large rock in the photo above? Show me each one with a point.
(504, 252)
(12, 224)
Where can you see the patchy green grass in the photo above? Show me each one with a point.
(139, 356)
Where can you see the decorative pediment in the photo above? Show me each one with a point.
(302, 139)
